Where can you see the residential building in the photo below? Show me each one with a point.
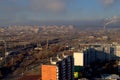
(60, 68)
(117, 50)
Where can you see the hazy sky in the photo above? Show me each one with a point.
(18, 11)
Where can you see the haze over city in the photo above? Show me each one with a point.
(28, 12)
(59, 39)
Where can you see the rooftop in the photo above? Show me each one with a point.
(30, 77)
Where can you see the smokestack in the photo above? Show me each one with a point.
(112, 20)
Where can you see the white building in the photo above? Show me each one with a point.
(117, 50)
(84, 58)
(78, 58)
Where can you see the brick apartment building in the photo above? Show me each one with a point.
(60, 68)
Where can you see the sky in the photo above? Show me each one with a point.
(23, 11)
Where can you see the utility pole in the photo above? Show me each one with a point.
(5, 50)
(47, 45)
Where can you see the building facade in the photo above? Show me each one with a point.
(96, 53)
(117, 50)
(60, 69)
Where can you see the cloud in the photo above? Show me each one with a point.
(115, 19)
(41, 6)
(109, 2)
(53, 6)
(12, 10)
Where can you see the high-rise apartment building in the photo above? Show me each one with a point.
(96, 52)
(60, 68)
(117, 50)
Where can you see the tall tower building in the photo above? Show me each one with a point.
(61, 68)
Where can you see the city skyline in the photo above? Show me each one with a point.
(27, 11)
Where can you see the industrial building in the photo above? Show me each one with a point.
(59, 68)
